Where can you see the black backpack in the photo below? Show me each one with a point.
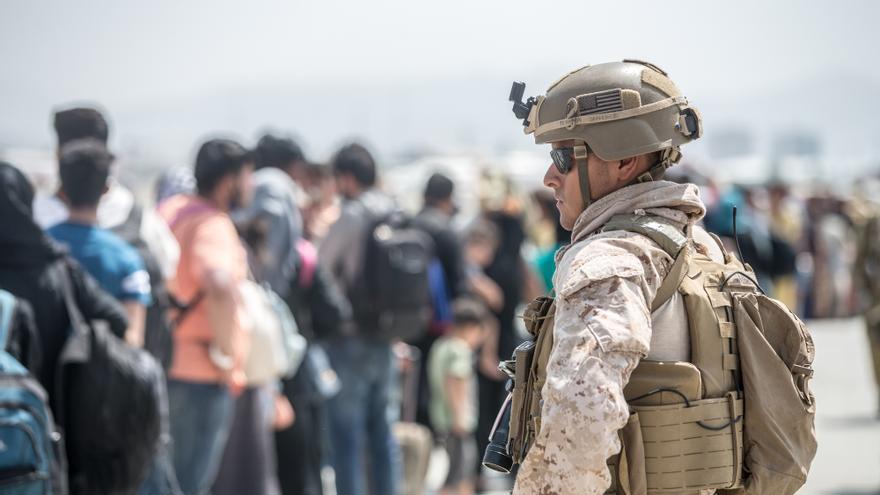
(392, 297)
(112, 405)
(159, 327)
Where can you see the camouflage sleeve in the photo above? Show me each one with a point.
(602, 330)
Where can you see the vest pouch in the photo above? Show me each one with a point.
(679, 380)
(531, 360)
(776, 352)
(691, 446)
(519, 436)
(537, 378)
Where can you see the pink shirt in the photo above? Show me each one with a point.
(208, 242)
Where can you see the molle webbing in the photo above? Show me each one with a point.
(695, 444)
(680, 448)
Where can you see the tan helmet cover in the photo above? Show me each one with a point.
(620, 109)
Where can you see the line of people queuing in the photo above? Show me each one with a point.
(186, 280)
(801, 240)
(178, 280)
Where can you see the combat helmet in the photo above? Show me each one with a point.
(616, 110)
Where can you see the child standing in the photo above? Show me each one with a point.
(453, 385)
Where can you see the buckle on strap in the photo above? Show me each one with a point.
(802, 370)
(670, 156)
(803, 385)
(803, 376)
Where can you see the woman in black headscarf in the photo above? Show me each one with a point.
(32, 267)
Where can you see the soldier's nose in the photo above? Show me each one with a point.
(551, 177)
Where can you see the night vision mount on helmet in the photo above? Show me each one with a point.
(616, 110)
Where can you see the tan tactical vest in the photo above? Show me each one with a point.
(737, 418)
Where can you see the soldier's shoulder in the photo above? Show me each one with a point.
(606, 255)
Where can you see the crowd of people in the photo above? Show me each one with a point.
(812, 247)
(805, 242)
(241, 244)
(251, 250)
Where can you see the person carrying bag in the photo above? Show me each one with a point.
(112, 406)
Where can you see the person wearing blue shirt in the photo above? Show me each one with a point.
(110, 260)
(118, 268)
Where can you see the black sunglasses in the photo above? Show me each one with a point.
(563, 158)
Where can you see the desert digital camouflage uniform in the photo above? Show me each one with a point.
(605, 283)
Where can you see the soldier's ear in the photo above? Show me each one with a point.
(630, 168)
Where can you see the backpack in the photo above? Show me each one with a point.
(31, 451)
(320, 308)
(112, 405)
(158, 327)
(738, 418)
(276, 346)
(392, 297)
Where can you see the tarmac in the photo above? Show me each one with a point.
(847, 425)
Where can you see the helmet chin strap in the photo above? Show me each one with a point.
(580, 159)
(668, 158)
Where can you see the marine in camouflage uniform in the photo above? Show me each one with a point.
(603, 327)
(614, 128)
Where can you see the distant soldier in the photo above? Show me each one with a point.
(867, 276)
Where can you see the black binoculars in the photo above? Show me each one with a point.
(496, 457)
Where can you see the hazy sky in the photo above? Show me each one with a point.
(132, 55)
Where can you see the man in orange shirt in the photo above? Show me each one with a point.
(210, 341)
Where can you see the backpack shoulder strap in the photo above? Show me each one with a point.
(669, 237)
(673, 279)
(666, 235)
(7, 307)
